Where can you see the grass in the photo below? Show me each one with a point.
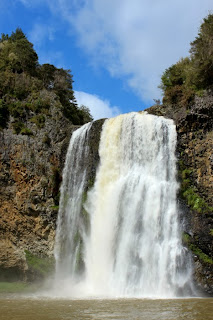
(16, 287)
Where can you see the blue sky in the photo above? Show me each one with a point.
(117, 50)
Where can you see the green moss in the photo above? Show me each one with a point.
(201, 255)
(186, 173)
(189, 192)
(195, 201)
(55, 207)
(211, 232)
(185, 184)
(187, 240)
(40, 265)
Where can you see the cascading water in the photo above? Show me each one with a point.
(70, 227)
(134, 246)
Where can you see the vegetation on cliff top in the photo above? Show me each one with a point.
(189, 77)
(193, 74)
(28, 89)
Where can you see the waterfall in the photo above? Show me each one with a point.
(134, 245)
(70, 231)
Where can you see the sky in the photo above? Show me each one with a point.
(117, 50)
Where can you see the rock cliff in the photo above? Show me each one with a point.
(195, 169)
(30, 175)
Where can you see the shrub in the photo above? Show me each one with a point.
(26, 131)
(17, 126)
(193, 74)
(39, 120)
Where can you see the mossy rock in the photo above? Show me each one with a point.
(39, 267)
(203, 257)
(195, 201)
(190, 193)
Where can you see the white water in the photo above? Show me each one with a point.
(70, 229)
(134, 245)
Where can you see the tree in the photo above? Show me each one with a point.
(202, 54)
(27, 87)
(193, 74)
(46, 73)
(4, 37)
(175, 75)
(85, 114)
(176, 83)
(27, 59)
(17, 53)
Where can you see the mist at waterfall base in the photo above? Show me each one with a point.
(126, 241)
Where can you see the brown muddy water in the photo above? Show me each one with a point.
(33, 308)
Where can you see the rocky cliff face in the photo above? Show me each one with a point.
(30, 173)
(30, 176)
(195, 164)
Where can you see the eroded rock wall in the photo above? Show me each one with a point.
(195, 165)
(30, 173)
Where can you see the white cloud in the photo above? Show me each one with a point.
(98, 108)
(136, 39)
(31, 3)
(40, 33)
(133, 39)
